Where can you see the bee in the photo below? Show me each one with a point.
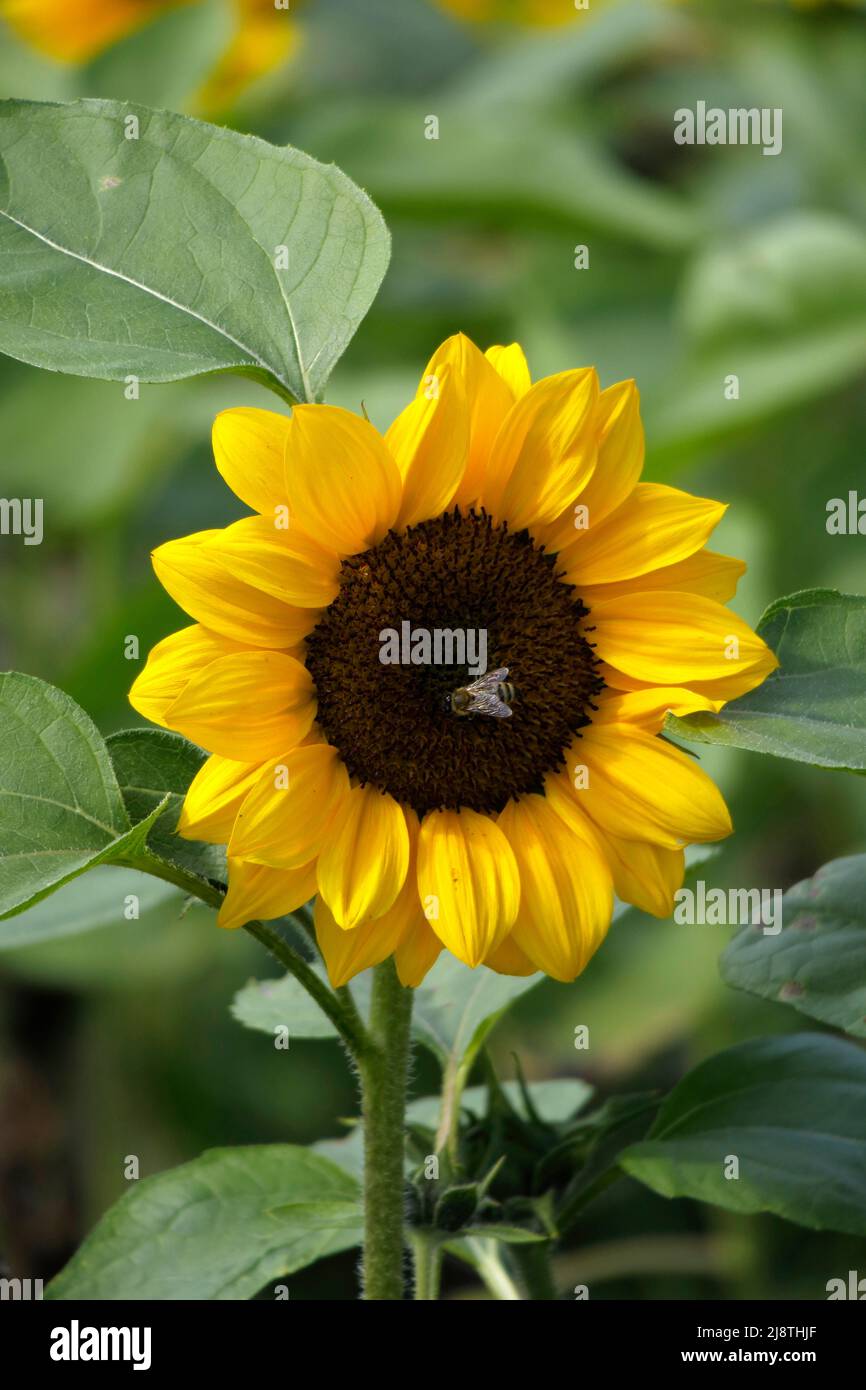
(490, 694)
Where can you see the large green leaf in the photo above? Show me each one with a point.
(60, 806)
(791, 1110)
(265, 1005)
(159, 255)
(813, 708)
(150, 765)
(817, 963)
(220, 1227)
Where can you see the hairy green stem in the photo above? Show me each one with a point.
(384, 1068)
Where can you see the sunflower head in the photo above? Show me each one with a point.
(432, 668)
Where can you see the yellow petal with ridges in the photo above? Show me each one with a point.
(714, 576)
(199, 578)
(257, 892)
(289, 812)
(649, 708)
(655, 526)
(347, 953)
(645, 875)
(285, 564)
(417, 952)
(508, 959)
(429, 442)
(247, 705)
(511, 365)
(214, 797)
(566, 888)
(621, 449)
(343, 485)
(249, 447)
(468, 874)
(171, 665)
(364, 864)
(641, 788)
(677, 639)
(545, 452)
(488, 399)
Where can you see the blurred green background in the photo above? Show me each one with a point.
(702, 262)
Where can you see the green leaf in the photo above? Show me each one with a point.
(813, 708)
(817, 963)
(792, 1110)
(157, 255)
(264, 1005)
(456, 1008)
(220, 1227)
(60, 806)
(152, 765)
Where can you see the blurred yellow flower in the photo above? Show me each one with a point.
(443, 801)
(74, 31)
(540, 12)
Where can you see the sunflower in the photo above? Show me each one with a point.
(543, 13)
(490, 505)
(75, 31)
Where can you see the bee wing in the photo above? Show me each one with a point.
(487, 702)
(489, 681)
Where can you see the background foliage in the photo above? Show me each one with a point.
(118, 1041)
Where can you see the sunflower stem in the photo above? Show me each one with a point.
(427, 1262)
(384, 1068)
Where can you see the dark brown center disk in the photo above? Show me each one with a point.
(393, 725)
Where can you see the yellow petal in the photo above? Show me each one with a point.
(508, 959)
(545, 451)
(248, 706)
(347, 953)
(467, 877)
(620, 463)
(285, 564)
(258, 892)
(265, 37)
(429, 441)
(488, 398)
(677, 639)
(655, 526)
(75, 30)
(649, 708)
(714, 576)
(417, 953)
(640, 788)
(510, 363)
(645, 875)
(364, 864)
(249, 447)
(199, 577)
(214, 797)
(171, 665)
(566, 889)
(289, 812)
(343, 485)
